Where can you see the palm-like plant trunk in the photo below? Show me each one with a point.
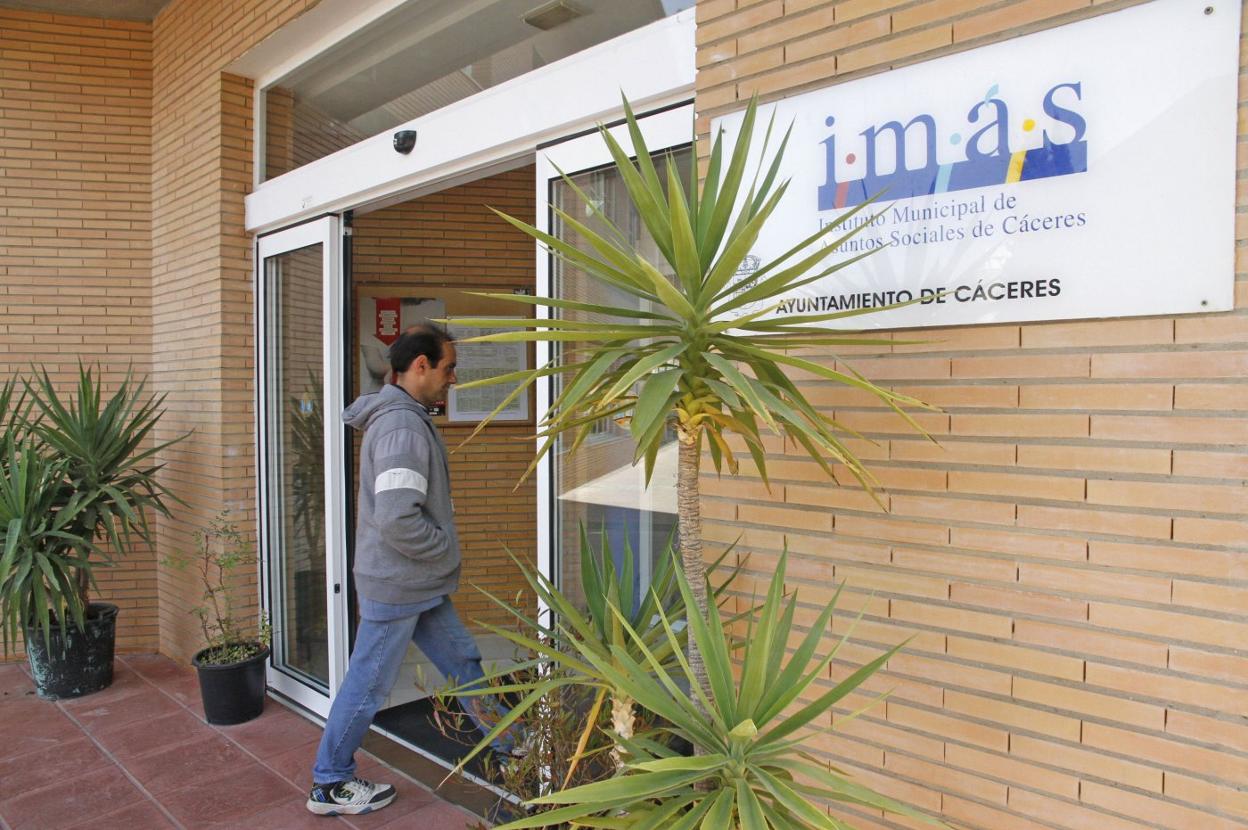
(689, 512)
(622, 716)
(689, 516)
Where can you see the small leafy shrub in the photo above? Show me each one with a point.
(220, 551)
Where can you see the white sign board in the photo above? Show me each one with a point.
(1084, 171)
(477, 361)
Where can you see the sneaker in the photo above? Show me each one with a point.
(351, 798)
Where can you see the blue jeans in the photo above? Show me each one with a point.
(380, 646)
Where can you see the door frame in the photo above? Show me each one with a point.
(662, 129)
(325, 231)
(368, 174)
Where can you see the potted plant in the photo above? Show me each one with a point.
(76, 485)
(231, 663)
(690, 345)
(693, 348)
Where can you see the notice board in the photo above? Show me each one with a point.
(384, 311)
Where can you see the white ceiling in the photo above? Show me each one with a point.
(428, 53)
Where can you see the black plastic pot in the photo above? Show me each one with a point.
(73, 663)
(234, 692)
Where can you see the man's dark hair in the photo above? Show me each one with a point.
(422, 338)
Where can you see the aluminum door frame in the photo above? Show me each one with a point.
(668, 128)
(327, 232)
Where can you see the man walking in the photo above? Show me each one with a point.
(406, 564)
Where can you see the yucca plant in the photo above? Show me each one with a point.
(699, 352)
(612, 609)
(45, 549)
(77, 484)
(753, 775)
(109, 466)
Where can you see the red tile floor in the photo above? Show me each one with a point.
(139, 755)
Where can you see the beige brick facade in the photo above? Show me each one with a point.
(1071, 559)
(201, 274)
(75, 224)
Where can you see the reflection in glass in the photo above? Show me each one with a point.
(296, 458)
(598, 486)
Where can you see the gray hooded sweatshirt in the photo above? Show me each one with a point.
(406, 547)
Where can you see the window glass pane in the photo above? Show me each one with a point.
(296, 458)
(425, 55)
(598, 486)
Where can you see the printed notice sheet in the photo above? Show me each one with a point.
(487, 360)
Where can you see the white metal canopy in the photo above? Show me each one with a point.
(653, 66)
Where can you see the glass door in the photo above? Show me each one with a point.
(597, 487)
(301, 475)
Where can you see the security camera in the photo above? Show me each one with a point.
(404, 141)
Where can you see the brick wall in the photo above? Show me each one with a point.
(451, 239)
(75, 225)
(201, 275)
(1072, 559)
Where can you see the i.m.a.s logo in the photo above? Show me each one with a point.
(988, 160)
